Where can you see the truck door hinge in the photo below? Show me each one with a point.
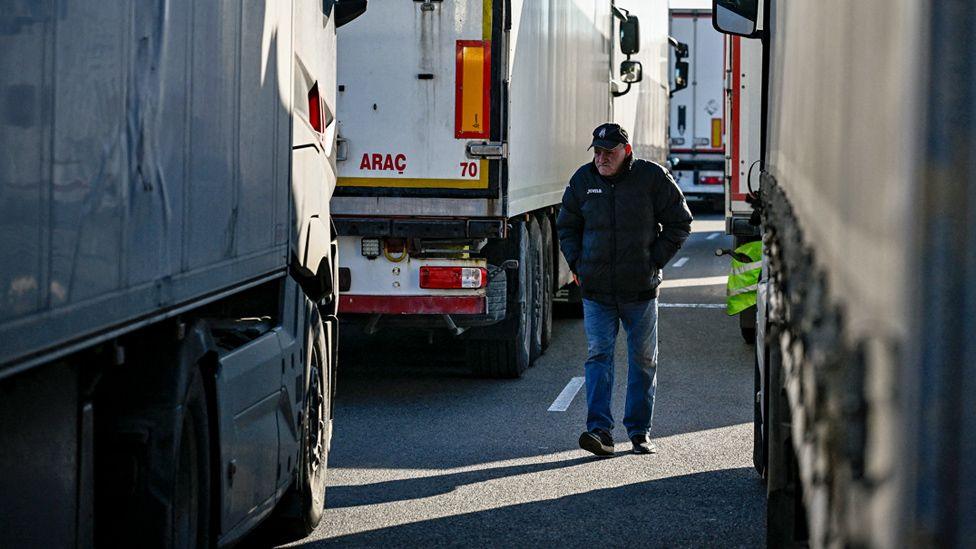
(486, 149)
(427, 4)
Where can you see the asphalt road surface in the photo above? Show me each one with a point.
(424, 454)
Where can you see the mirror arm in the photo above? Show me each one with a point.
(624, 92)
(680, 48)
(620, 13)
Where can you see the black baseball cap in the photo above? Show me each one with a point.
(609, 136)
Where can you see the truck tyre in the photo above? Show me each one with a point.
(192, 498)
(548, 270)
(301, 507)
(153, 446)
(507, 354)
(785, 513)
(747, 325)
(155, 475)
(759, 459)
(537, 287)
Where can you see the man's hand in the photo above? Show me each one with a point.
(576, 280)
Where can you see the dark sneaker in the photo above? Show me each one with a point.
(597, 441)
(643, 445)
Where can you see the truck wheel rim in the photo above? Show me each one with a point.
(316, 425)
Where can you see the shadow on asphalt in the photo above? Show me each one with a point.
(712, 509)
(401, 351)
(403, 405)
(423, 487)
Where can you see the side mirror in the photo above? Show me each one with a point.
(738, 17)
(347, 10)
(680, 76)
(631, 72)
(630, 35)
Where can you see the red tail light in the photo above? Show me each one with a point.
(710, 180)
(315, 108)
(445, 278)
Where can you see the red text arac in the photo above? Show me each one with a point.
(383, 162)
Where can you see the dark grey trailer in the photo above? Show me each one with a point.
(167, 306)
(865, 424)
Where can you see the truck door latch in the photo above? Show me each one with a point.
(486, 149)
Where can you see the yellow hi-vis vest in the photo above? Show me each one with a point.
(744, 279)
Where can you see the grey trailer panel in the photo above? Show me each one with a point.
(120, 192)
(263, 166)
(844, 153)
(24, 147)
(89, 179)
(846, 92)
(210, 231)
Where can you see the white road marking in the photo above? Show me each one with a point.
(689, 282)
(565, 398)
(691, 305)
(712, 236)
(680, 262)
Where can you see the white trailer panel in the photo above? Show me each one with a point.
(643, 110)
(550, 68)
(546, 85)
(560, 90)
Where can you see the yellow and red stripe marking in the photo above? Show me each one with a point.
(472, 100)
(735, 145)
(418, 183)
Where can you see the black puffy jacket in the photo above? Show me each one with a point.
(617, 233)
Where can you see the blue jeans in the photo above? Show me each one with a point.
(602, 322)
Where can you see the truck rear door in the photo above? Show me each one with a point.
(416, 85)
(708, 78)
(682, 121)
(697, 111)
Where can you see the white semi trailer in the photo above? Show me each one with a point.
(865, 423)
(460, 125)
(167, 268)
(743, 102)
(696, 128)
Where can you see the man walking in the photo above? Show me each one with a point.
(622, 220)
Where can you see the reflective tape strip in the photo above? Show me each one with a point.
(742, 280)
(747, 267)
(740, 291)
